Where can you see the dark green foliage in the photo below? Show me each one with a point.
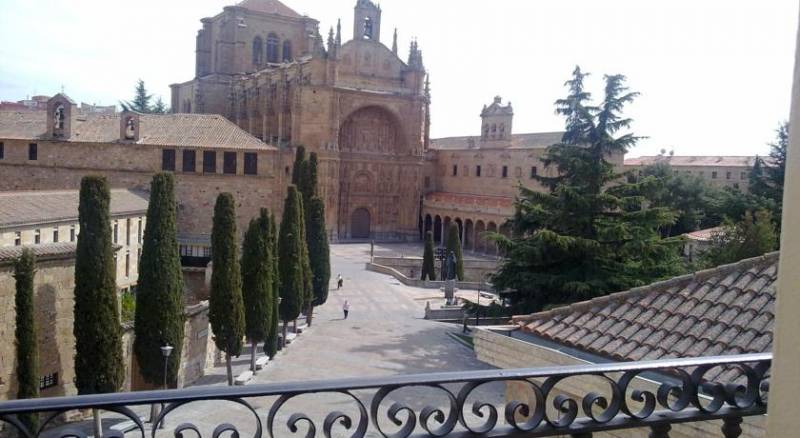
(290, 257)
(729, 203)
(298, 172)
(159, 107)
(26, 340)
(128, 306)
(428, 267)
(454, 246)
(319, 251)
(141, 102)
(99, 367)
(592, 234)
(305, 260)
(766, 179)
(752, 236)
(159, 297)
(257, 282)
(271, 343)
(226, 310)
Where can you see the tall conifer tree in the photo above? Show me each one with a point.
(319, 252)
(290, 256)
(159, 297)
(257, 270)
(428, 266)
(226, 310)
(26, 336)
(272, 339)
(454, 246)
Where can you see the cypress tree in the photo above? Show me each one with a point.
(226, 310)
(428, 267)
(290, 254)
(271, 346)
(454, 246)
(257, 267)
(159, 297)
(319, 251)
(99, 366)
(27, 344)
(297, 169)
(305, 261)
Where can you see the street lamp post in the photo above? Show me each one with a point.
(166, 351)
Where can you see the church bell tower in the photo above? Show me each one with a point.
(367, 21)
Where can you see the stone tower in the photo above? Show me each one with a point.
(367, 21)
(496, 121)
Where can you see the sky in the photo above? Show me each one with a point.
(714, 75)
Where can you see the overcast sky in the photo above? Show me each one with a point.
(715, 76)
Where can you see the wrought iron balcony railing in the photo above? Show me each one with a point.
(653, 395)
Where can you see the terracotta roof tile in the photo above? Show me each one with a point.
(10, 253)
(726, 310)
(693, 160)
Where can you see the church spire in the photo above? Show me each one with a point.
(394, 42)
(331, 44)
(339, 33)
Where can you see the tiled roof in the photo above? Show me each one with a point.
(10, 253)
(703, 235)
(197, 130)
(694, 160)
(268, 7)
(42, 207)
(726, 310)
(534, 140)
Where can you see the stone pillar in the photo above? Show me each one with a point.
(783, 408)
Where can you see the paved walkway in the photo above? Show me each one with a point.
(383, 335)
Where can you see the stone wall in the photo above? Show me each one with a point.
(475, 270)
(503, 351)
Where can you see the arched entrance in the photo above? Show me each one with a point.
(359, 224)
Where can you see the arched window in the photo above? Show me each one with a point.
(485, 131)
(130, 128)
(287, 51)
(502, 129)
(258, 50)
(368, 28)
(58, 117)
(272, 48)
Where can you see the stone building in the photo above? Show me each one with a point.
(719, 171)
(45, 217)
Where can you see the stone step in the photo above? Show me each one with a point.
(261, 362)
(301, 328)
(290, 337)
(243, 378)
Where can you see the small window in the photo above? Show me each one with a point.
(128, 231)
(229, 163)
(139, 231)
(250, 163)
(116, 231)
(427, 182)
(727, 175)
(736, 186)
(2, 150)
(72, 233)
(189, 158)
(168, 159)
(478, 171)
(714, 175)
(17, 238)
(505, 171)
(533, 172)
(48, 381)
(272, 48)
(127, 263)
(455, 170)
(55, 235)
(37, 236)
(287, 51)
(286, 170)
(33, 151)
(209, 162)
(743, 175)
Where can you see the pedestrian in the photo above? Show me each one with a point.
(339, 281)
(346, 308)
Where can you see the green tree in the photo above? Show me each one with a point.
(591, 234)
(226, 310)
(307, 296)
(26, 338)
(290, 259)
(159, 310)
(454, 246)
(257, 270)
(141, 100)
(159, 107)
(298, 172)
(319, 251)
(752, 236)
(272, 338)
(99, 366)
(428, 267)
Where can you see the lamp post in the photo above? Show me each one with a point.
(166, 351)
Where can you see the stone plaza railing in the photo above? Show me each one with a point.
(376, 406)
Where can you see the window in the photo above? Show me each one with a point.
(714, 175)
(48, 381)
(116, 231)
(258, 50)
(127, 263)
(72, 233)
(368, 28)
(505, 172)
(55, 235)
(736, 186)
(743, 175)
(209, 162)
(17, 238)
(229, 163)
(33, 151)
(250, 163)
(37, 236)
(128, 231)
(455, 170)
(427, 182)
(168, 159)
(189, 158)
(478, 171)
(727, 175)
(272, 48)
(2, 150)
(533, 172)
(287, 51)
(286, 170)
(139, 231)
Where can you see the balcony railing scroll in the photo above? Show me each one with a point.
(377, 406)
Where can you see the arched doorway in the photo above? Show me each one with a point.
(428, 225)
(469, 229)
(480, 239)
(437, 229)
(359, 224)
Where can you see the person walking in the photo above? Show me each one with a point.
(339, 281)
(346, 308)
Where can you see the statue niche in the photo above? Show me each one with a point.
(371, 130)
